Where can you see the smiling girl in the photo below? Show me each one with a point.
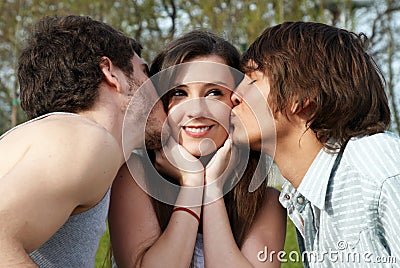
(200, 228)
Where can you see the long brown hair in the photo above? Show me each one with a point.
(328, 66)
(241, 205)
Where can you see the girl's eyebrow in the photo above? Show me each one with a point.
(179, 86)
(210, 84)
(220, 83)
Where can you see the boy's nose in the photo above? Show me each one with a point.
(236, 99)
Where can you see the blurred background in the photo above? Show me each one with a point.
(155, 22)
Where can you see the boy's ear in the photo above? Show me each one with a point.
(110, 73)
(298, 107)
(302, 109)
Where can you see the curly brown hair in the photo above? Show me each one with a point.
(59, 69)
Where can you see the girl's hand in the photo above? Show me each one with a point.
(173, 160)
(219, 169)
(222, 163)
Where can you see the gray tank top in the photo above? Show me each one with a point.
(75, 244)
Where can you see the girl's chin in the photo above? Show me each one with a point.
(203, 148)
(198, 155)
(205, 152)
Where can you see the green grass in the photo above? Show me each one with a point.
(290, 246)
(102, 251)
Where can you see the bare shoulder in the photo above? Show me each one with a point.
(95, 153)
(272, 199)
(271, 217)
(70, 153)
(272, 209)
(74, 127)
(131, 212)
(77, 135)
(268, 230)
(129, 172)
(61, 129)
(55, 166)
(270, 222)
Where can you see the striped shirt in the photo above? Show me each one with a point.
(350, 218)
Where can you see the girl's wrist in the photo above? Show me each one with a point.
(212, 191)
(193, 180)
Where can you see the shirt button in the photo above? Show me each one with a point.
(286, 196)
(300, 200)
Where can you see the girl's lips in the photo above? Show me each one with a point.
(197, 131)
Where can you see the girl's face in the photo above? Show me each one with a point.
(199, 112)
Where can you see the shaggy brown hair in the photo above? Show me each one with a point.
(306, 61)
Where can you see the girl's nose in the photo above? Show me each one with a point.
(196, 107)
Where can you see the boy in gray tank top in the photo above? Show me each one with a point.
(77, 77)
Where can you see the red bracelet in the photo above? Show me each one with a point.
(188, 211)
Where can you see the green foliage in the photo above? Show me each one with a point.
(102, 256)
(291, 246)
(155, 22)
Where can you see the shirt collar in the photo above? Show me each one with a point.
(315, 183)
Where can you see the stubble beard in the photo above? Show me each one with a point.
(153, 130)
(153, 135)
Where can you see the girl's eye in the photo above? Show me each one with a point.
(252, 82)
(178, 93)
(214, 92)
